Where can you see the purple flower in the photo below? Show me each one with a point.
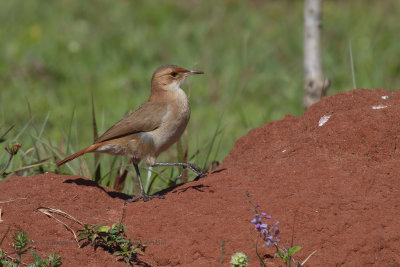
(266, 216)
(268, 233)
(256, 219)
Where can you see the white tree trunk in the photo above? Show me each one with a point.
(315, 84)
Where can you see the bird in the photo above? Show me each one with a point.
(152, 128)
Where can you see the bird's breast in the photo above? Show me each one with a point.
(173, 124)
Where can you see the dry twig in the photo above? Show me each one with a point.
(11, 200)
(49, 211)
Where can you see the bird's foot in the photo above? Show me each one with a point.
(200, 173)
(197, 170)
(145, 197)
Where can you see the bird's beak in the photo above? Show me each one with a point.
(192, 72)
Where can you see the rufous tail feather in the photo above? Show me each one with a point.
(79, 153)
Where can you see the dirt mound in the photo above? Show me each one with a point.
(336, 182)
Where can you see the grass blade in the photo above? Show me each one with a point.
(22, 131)
(216, 133)
(97, 166)
(352, 65)
(70, 129)
(6, 132)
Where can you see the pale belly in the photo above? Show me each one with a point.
(166, 136)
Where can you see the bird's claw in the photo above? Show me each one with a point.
(200, 175)
(145, 197)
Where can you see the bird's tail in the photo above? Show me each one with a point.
(79, 153)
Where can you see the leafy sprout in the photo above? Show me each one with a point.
(113, 239)
(21, 246)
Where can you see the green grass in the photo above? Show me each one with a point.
(55, 54)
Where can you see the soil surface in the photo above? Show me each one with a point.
(334, 186)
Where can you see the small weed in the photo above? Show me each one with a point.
(287, 255)
(21, 246)
(239, 259)
(12, 150)
(21, 161)
(113, 239)
(222, 249)
(52, 260)
(269, 234)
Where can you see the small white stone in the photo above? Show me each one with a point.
(385, 97)
(283, 151)
(379, 107)
(323, 120)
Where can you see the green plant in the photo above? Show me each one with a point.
(287, 255)
(21, 240)
(113, 239)
(52, 260)
(222, 250)
(21, 246)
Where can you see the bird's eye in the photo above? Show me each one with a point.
(174, 74)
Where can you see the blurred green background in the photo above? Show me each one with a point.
(55, 54)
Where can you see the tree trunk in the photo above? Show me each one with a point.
(315, 84)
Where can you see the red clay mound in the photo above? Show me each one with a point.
(338, 183)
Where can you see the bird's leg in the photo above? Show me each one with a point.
(197, 170)
(142, 195)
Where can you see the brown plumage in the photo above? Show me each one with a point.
(153, 127)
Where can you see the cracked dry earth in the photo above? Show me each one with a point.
(332, 175)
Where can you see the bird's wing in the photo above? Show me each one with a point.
(145, 118)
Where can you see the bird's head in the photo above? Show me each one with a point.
(170, 77)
